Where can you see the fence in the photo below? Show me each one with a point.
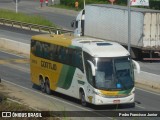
(34, 27)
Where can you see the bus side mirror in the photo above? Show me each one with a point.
(136, 66)
(72, 23)
(92, 67)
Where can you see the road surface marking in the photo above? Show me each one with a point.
(43, 94)
(23, 69)
(151, 73)
(12, 54)
(149, 91)
(4, 61)
(54, 98)
(140, 106)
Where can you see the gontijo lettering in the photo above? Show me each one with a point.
(48, 65)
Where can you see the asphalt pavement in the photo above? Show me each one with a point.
(18, 74)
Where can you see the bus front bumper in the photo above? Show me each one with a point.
(100, 100)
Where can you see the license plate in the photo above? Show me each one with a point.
(116, 101)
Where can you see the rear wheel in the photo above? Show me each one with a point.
(48, 90)
(42, 85)
(83, 100)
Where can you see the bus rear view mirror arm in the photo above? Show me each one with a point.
(92, 67)
(136, 66)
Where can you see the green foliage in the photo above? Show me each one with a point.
(154, 4)
(81, 4)
(35, 19)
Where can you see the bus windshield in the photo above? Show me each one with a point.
(114, 74)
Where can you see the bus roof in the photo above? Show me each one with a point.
(95, 47)
(100, 48)
(63, 40)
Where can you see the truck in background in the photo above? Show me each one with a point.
(110, 22)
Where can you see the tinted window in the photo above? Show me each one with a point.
(65, 55)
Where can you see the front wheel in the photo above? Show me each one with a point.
(83, 100)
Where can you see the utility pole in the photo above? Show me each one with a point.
(133, 3)
(84, 2)
(16, 6)
(16, 1)
(129, 26)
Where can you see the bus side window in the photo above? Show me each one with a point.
(63, 55)
(54, 52)
(33, 47)
(89, 73)
(51, 52)
(77, 59)
(76, 24)
(42, 50)
(46, 51)
(87, 57)
(80, 63)
(74, 58)
(38, 49)
(57, 53)
(70, 56)
(66, 58)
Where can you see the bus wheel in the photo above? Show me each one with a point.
(42, 85)
(48, 90)
(83, 100)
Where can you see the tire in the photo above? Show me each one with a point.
(48, 90)
(82, 98)
(42, 85)
(132, 105)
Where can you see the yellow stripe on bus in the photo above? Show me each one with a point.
(109, 93)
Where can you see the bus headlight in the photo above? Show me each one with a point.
(96, 92)
(100, 94)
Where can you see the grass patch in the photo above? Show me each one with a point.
(7, 14)
(7, 105)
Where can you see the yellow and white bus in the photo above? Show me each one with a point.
(92, 70)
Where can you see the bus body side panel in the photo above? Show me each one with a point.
(45, 68)
(69, 84)
(66, 77)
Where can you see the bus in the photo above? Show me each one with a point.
(92, 70)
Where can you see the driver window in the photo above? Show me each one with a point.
(89, 74)
(88, 67)
(100, 77)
